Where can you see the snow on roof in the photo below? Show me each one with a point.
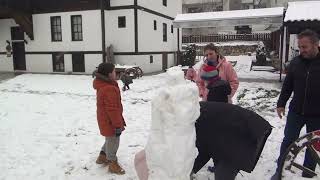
(236, 14)
(227, 18)
(303, 11)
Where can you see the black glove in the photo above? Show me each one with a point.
(118, 132)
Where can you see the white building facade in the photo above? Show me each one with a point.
(69, 41)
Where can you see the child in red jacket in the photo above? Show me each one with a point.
(109, 115)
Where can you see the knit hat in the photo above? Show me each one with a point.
(209, 73)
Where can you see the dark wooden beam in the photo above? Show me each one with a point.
(103, 31)
(41, 6)
(298, 26)
(136, 37)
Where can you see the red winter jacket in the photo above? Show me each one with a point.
(109, 107)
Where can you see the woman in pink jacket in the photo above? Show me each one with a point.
(225, 68)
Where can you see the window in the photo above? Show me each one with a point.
(171, 28)
(164, 2)
(164, 32)
(58, 62)
(78, 64)
(56, 33)
(151, 59)
(76, 28)
(155, 25)
(121, 21)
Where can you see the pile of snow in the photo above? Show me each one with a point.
(171, 149)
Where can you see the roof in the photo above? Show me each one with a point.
(303, 11)
(230, 18)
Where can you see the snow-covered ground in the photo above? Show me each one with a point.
(48, 128)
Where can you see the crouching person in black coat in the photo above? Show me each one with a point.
(232, 136)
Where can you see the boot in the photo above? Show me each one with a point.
(102, 158)
(115, 168)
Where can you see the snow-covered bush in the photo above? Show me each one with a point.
(189, 55)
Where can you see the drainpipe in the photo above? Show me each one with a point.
(178, 36)
(178, 44)
(103, 31)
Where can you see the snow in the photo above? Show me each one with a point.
(303, 11)
(48, 126)
(175, 109)
(235, 14)
(124, 66)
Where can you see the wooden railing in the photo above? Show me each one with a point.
(226, 37)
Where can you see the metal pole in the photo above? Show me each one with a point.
(103, 32)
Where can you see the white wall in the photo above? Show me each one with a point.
(171, 61)
(39, 63)
(6, 63)
(43, 63)
(122, 39)
(143, 61)
(173, 7)
(121, 2)
(152, 40)
(68, 62)
(91, 27)
(91, 62)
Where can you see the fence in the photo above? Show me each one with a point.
(226, 37)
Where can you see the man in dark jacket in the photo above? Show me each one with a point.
(303, 79)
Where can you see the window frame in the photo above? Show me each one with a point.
(154, 25)
(164, 32)
(122, 19)
(76, 33)
(151, 59)
(56, 28)
(165, 3)
(58, 61)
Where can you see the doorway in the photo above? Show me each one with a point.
(78, 64)
(164, 61)
(18, 49)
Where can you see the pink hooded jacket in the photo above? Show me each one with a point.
(226, 72)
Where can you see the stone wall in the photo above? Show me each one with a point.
(232, 50)
(237, 50)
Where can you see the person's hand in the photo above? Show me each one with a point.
(281, 112)
(118, 132)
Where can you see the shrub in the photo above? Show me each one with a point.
(189, 55)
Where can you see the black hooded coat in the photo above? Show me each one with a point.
(231, 134)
